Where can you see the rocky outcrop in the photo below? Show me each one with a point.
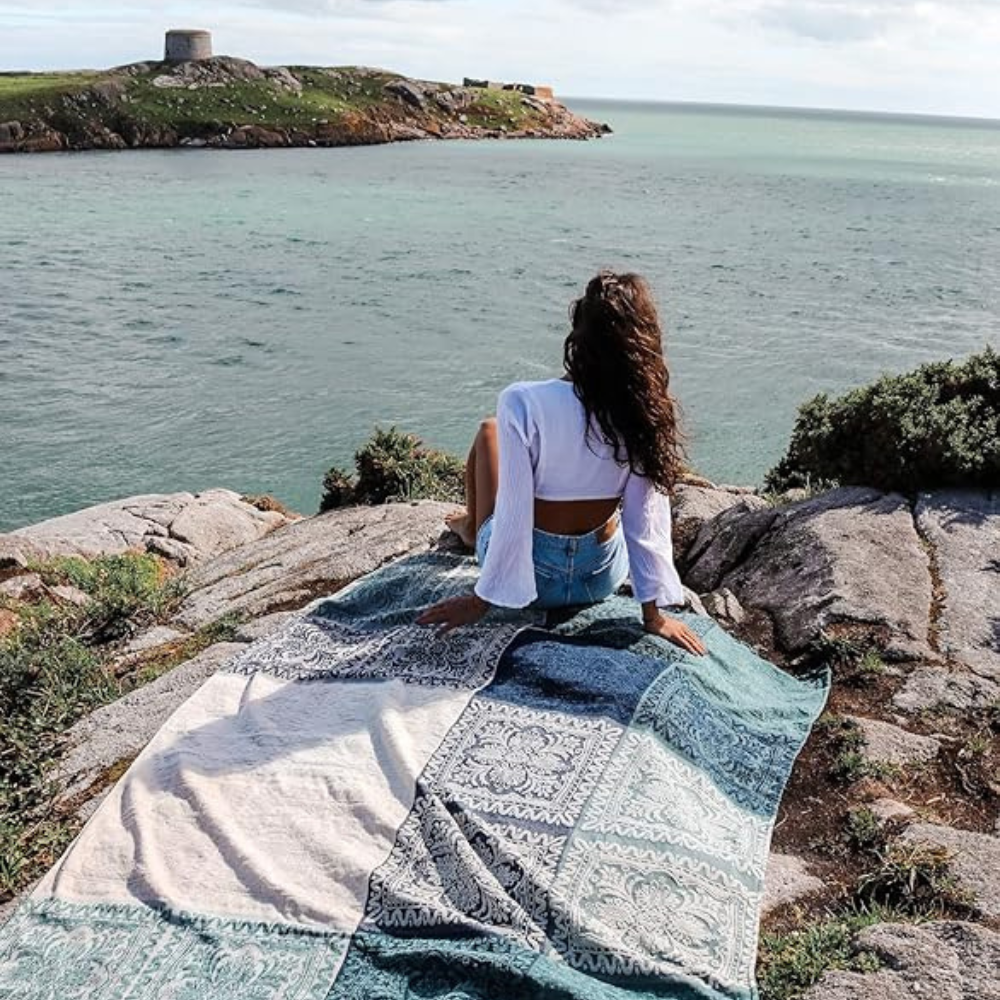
(885, 743)
(963, 529)
(184, 527)
(946, 960)
(311, 557)
(930, 687)
(787, 880)
(228, 103)
(822, 562)
(693, 507)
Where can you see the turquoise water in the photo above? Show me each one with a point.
(184, 319)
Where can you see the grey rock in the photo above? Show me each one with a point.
(186, 527)
(693, 507)
(258, 628)
(891, 811)
(725, 541)
(786, 880)
(724, 606)
(307, 559)
(849, 556)
(407, 91)
(70, 595)
(158, 635)
(975, 861)
(888, 744)
(963, 527)
(18, 553)
(283, 78)
(943, 960)
(23, 587)
(10, 133)
(167, 82)
(119, 731)
(930, 687)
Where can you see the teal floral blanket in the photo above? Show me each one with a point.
(356, 807)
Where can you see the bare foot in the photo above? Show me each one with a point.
(461, 524)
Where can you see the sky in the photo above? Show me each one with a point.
(923, 56)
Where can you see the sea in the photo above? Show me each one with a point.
(183, 319)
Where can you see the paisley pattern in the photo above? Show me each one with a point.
(650, 795)
(55, 950)
(747, 763)
(464, 873)
(507, 760)
(315, 648)
(627, 911)
(367, 632)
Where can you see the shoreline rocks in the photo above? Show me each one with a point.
(186, 528)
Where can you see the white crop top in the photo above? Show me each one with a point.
(545, 453)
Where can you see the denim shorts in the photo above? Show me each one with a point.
(571, 569)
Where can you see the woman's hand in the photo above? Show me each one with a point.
(454, 612)
(674, 631)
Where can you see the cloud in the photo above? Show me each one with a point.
(851, 21)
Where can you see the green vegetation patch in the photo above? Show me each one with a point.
(395, 466)
(938, 426)
(26, 94)
(788, 964)
(56, 665)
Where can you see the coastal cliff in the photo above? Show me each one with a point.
(229, 103)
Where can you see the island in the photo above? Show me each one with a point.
(192, 98)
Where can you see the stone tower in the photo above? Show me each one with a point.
(184, 44)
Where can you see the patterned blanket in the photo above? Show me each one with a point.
(355, 807)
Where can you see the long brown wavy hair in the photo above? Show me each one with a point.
(614, 356)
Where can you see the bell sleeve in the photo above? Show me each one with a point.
(646, 524)
(507, 576)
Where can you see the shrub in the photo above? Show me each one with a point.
(934, 427)
(394, 465)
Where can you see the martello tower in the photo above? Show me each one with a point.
(185, 44)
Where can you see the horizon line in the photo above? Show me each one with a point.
(743, 106)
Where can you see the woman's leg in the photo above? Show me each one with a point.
(482, 474)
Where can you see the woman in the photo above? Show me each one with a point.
(567, 488)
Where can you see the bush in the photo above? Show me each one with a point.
(934, 427)
(394, 465)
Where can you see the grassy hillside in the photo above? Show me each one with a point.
(227, 102)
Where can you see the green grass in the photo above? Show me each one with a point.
(24, 95)
(56, 666)
(915, 879)
(788, 964)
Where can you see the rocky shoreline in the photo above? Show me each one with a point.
(898, 596)
(228, 103)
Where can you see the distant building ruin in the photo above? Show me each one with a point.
(186, 44)
(533, 89)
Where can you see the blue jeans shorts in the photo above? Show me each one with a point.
(571, 569)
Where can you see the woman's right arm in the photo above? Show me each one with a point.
(646, 523)
(656, 622)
